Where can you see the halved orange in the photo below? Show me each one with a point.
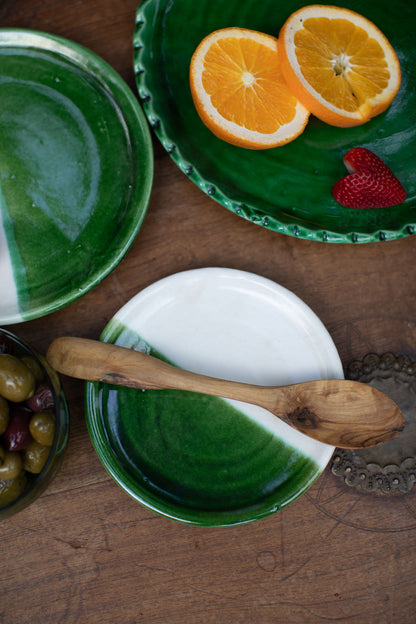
(339, 64)
(239, 90)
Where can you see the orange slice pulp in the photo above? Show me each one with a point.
(338, 64)
(240, 93)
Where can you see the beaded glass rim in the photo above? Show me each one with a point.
(353, 465)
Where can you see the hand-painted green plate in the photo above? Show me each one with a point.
(199, 459)
(286, 189)
(76, 171)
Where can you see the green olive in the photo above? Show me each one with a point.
(4, 415)
(11, 465)
(35, 456)
(34, 366)
(11, 490)
(17, 382)
(42, 427)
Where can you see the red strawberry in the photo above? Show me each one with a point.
(370, 183)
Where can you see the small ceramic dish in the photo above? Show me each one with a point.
(286, 189)
(32, 484)
(76, 172)
(388, 468)
(205, 460)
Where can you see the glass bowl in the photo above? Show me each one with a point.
(390, 468)
(35, 484)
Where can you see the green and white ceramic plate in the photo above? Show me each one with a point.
(76, 171)
(199, 459)
(286, 189)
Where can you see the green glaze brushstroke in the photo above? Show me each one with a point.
(194, 450)
(65, 166)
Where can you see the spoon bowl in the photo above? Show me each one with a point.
(343, 413)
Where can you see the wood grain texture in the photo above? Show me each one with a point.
(328, 410)
(86, 553)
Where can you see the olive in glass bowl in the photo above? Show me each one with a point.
(34, 424)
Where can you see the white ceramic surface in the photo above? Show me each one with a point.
(237, 325)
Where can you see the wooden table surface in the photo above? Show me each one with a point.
(86, 553)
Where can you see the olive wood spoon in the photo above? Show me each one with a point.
(339, 412)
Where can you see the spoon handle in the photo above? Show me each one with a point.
(83, 358)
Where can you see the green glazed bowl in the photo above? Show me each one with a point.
(286, 189)
(206, 460)
(76, 172)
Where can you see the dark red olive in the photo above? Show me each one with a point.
(41, 400)
(17, 435)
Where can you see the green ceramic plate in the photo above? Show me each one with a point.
(286, 189)
(76, 169)
(199, 459)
